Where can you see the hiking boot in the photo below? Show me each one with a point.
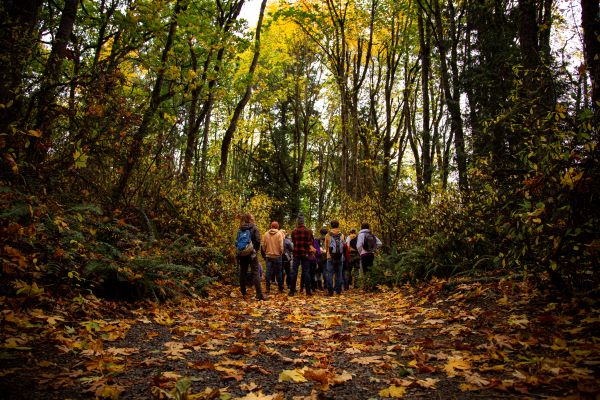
(292, 293)
(261, 297)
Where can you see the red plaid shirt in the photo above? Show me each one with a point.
(302, 239)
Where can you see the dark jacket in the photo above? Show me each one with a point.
(254, 234)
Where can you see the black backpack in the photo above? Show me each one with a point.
(369, 242)
(336, 247)
(353, 247)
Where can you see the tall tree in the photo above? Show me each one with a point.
(18, 39)
(50, 83)
(239, 108)
(156, 98)
(425, 38)
(590, 20)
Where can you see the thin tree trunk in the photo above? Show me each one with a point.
(424, 39)
(452, 101)
(228, 136)
(18, 35)
(47, 94)
(156, 99)
(590, 20)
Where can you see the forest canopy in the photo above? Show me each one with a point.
(134, 133)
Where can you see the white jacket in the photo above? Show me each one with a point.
(360, 241)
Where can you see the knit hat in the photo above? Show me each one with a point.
(300, 219)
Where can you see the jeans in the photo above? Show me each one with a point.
(305, 262)
(334, 268)
(353, 271)
(366, 260)
(286, 271)
(252, 262)
(274, 271)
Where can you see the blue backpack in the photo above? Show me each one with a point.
(336, 247)
(243, 242)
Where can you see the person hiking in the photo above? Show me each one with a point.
(288, 251)
(366, 244)
(334, 245)
(248, 244)
(321, 259)
(302, 238)
(352, 265)
(272, 244)
(310, 285)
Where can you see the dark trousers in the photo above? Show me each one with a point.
(304, 261)
(274, 273)
(366, 260)
(286, 270)
(251, 262)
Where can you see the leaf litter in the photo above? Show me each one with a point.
(443, 340)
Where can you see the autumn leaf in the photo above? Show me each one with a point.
(123, 351)
(368, 360)
(175, 350)
(341, 378)
(476, 379)
(393, 392)
(456, 363)
(427, 383)
(292, 375)
(518, 321)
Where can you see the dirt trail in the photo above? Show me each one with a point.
(445, 340)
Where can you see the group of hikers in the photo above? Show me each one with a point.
(331, 262)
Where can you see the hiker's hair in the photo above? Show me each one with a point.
(323, 231)
(247, 218)
(275, 225)
(364, 225)
(335, 223)
(352, 230)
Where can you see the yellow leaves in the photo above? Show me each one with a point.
(28, 290)
(326, 377)
(80, 159)
(163, 318)
(393, 392)
(292, 375)
(35, 133)
(570, 178)
(559, 344)
(518, 321)
(455, 365)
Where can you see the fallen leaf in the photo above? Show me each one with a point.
(292, 375)
(393, 392)
(456, 363)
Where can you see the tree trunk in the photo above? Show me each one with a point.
(156, 99)
(228, 136)
(590, 20)
(424, 40)
(18, 37)
(50, 81)
(452, 101)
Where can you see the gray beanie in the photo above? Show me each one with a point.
(301, 219)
